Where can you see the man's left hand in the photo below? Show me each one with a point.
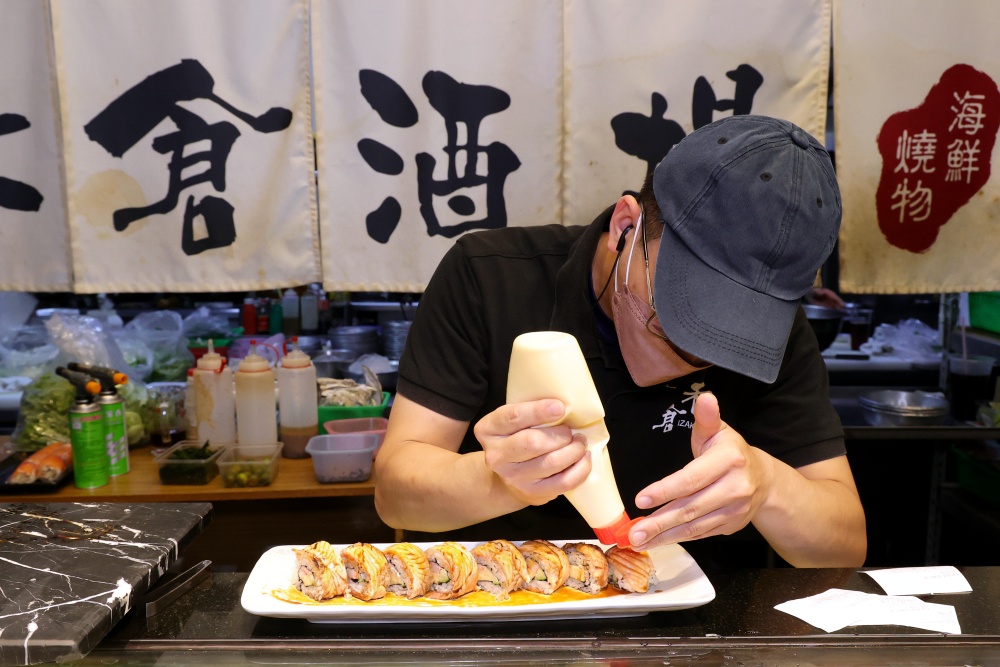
(718, 493)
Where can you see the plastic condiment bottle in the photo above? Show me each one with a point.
(309, 312)
(248, 316)
(256, 406)
(214, 405)
(290, 313)
(550, 364)
(297, 402)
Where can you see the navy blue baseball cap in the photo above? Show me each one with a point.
(751, 210)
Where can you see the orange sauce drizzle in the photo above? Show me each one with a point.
(474, 599)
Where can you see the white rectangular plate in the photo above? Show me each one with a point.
(682, 585)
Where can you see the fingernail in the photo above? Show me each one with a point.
(638, 537)
(555, 409)
(643, 502)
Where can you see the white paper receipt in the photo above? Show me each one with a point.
(837, 608)
(920, 580)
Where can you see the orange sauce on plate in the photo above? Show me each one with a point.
(474, 599)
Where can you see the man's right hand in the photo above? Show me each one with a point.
(537, 463)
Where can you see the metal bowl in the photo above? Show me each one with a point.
(825, 323)
(893, 407)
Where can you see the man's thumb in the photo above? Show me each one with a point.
(707, 422)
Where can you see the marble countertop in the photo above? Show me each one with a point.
(69, 572)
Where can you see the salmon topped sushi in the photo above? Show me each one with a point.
(453, 571)
(631, 571)
(409, 570)
(367, 571)
(548, 566)
(319, 571)
(588, 567)
(502, 568)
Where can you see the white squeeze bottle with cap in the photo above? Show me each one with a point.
(256, 406)
(550, 364)
(297, 402)
(214, 405)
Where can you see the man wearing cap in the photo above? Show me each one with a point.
(685, 302)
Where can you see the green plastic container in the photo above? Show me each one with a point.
(984, 311)
(331, 412)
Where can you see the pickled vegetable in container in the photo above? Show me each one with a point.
(297, 402)
(256, 405)
(550, 364)
(214, 403)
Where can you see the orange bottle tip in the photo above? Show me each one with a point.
(621, 535)
(93, 386)
(610, 534)
(120, 378)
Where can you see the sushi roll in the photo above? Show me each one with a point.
(548, 566)
(588, 567)
(367, 571)
(631, 571)
(409, 570)
(319, 571)
(502, 568)
(453, 571)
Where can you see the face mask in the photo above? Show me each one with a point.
(649, 358)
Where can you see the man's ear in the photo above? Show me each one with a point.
(624, 217)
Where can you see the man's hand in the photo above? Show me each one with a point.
(535, 462)
(716, 494)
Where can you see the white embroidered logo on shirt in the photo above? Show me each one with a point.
(670, 416)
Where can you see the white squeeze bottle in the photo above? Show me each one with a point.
(297, 402)
(214, 405)
(550, 364)
(256, 406)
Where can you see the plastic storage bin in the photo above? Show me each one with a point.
(183, 463)
(343, 457)
(375, 425)
(249, 465)
(330, 412)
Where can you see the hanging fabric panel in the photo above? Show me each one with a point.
(917, 110)
(34, 239)
(188, 144)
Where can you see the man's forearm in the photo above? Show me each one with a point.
(812, 522)
(426, 488)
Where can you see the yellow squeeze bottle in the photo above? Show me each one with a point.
(550, 364)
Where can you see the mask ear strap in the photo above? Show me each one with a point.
(618, 248)
(628, 265)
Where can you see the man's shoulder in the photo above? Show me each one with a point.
(521, 242)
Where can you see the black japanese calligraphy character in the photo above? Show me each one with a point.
(648, 138)
(135, 113)
(651, 137)
(463, 107)
(16, 195)
(704, 102)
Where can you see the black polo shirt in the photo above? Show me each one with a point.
(494, 285)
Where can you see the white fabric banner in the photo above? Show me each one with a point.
(433, 118)
(34, 239)
(642, 75)
(188, 144)
(917, 110)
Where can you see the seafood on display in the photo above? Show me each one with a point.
(333, 391)
(46, 464)
(449, 570)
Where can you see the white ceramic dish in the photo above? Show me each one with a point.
(682, 585)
